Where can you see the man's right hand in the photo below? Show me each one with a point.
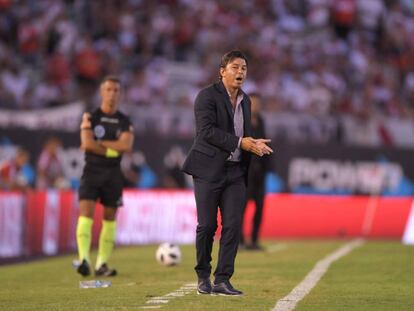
(249, 144)
(256, 146)
(261, 144)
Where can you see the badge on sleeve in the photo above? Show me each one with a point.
(99, 131)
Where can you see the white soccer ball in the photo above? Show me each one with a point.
(168, 254)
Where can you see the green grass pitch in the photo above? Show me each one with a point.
(379, 275)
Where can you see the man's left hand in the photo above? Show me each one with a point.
(261, 144)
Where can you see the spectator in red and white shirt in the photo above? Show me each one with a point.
(17, 173)
(50, 166)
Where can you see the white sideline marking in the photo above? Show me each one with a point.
(289, 302)
(276, 248)
(157, 302)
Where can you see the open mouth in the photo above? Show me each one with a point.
(240, 79)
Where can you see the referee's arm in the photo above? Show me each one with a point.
(88, 142)
(123, 144)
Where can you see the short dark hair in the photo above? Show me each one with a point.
(111, 78)
(230, 56)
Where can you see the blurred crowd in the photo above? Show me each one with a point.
(18, 173)
(57, 167)
(314, 58)
(318, 57)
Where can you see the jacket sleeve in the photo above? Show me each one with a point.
(206, 123)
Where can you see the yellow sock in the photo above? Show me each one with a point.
(106, 242)
(84, 237)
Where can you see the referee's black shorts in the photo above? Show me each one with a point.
(103, 183)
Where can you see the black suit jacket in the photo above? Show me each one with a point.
(215, 138)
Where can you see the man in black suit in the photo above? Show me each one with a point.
(218, 162)
(257, 174)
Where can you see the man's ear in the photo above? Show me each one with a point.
(222, 71)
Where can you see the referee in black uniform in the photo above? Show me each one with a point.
(105, 135)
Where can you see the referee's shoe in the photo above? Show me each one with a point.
(84, 268)
(105, 271)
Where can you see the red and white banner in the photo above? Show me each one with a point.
(44, 222)
(296, 216)
(50, 222)
(65, 118)
(11, 224)
(408, 237)
(157, 216)
(50, 244)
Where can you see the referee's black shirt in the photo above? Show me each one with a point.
(107, 127)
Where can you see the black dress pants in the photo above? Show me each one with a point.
(228, 194)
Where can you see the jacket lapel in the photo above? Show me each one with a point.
(226, 97)
(245, 108)
(246, 115)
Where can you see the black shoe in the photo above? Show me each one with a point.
(105, 271)
(226, 289)
(84, 268)
(204, 286)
